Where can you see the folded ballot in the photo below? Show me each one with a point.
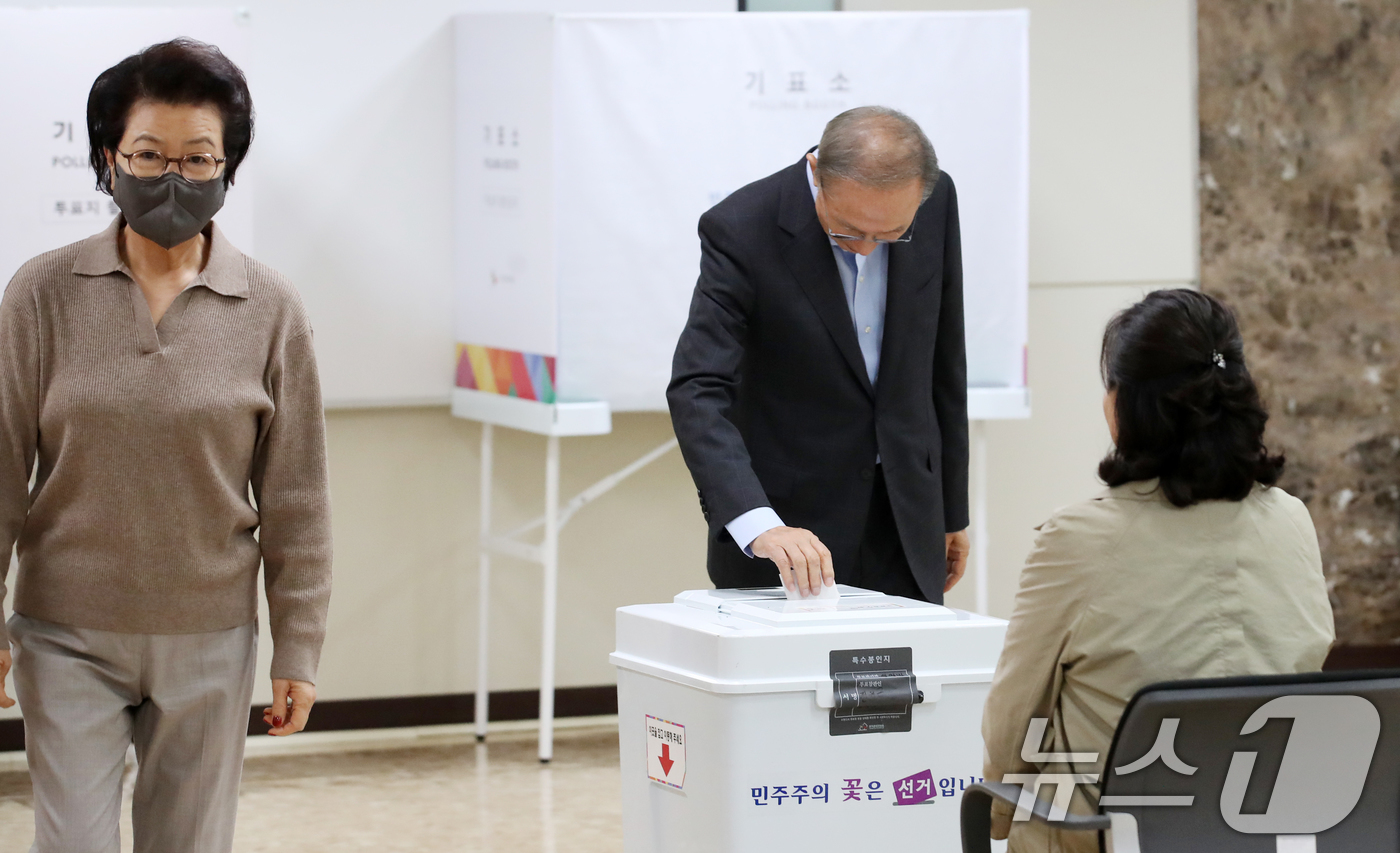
(828, 593)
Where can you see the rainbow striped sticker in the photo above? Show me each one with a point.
(506, 372)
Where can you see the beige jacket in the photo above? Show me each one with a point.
(1125, 590)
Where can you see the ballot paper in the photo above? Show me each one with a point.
(828, 593)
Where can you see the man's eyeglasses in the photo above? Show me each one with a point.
(148, 165)
(907, 236)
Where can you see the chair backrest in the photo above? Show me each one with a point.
(1314, 758)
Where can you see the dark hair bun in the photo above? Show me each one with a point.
(1188, 411)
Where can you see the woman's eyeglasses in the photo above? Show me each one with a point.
(148, 165)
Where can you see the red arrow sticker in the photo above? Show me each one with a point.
(665, 752)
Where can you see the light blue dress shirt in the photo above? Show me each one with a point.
(865, 279)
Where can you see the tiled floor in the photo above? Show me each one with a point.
(462, 798)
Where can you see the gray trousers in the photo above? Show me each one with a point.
(182, 699)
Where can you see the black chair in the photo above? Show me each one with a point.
(1318, 769)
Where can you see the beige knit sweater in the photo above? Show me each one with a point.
(147, 439)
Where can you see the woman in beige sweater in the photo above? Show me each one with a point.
(1192, 564)
(162, 387)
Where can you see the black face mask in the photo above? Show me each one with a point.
(169, 210)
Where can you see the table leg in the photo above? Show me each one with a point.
(483, 595)
(550, 554)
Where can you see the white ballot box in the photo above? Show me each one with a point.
(752, 723)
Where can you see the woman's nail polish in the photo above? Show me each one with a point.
(277, 721)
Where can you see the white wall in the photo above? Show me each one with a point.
(1113, 137)
(1113, 215)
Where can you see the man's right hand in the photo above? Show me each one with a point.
(803, 561)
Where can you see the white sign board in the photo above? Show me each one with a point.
(589, 146)
(49, 59)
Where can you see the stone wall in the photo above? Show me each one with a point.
(1300, 233)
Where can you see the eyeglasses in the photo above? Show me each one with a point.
(149, 165)
(907, 236)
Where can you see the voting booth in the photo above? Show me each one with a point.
(588, 146)
(748, 722)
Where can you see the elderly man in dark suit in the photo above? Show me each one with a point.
(819, 389)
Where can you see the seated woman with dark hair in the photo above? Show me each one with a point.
(1190, 565)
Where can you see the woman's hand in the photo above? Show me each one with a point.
(6, 661)
(291, 705)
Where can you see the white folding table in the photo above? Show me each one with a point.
(555, 421)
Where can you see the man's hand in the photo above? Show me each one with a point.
(958, 548)
(803, 561)
(6, 661)
(291, 706)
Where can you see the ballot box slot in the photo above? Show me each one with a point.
(771, 607)
(874, 691)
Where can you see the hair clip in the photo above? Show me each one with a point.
(1219, 359)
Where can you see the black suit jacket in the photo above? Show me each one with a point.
(769, 394)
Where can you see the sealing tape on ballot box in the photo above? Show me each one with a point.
(874, 690)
